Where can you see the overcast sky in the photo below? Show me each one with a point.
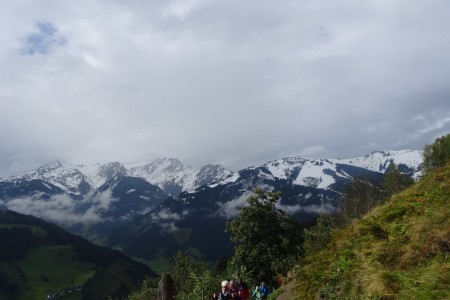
(238, 82)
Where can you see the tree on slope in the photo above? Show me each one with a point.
(437, 154)
(395, 181)
(360, 197)
(267, 240)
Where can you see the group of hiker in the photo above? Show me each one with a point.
(240, 291)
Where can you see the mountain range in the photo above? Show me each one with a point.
(165, 206)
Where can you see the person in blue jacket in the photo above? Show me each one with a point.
(265, 291)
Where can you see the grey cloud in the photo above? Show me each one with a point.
(164, 215)
(63, 210)
(58, 209)
(231, 209)
(166, 219)
(231, 82)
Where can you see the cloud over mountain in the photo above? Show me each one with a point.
(230, 82)
(61, 209)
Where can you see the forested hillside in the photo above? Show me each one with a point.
(38, 259)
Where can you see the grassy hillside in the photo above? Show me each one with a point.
(38, 259)
(401, 250)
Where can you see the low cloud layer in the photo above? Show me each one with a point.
(231, 209)
(63, 210)
(325, 208)
(207, 81)
(166, 219)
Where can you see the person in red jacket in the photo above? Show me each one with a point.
(244, 292)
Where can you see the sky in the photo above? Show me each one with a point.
(238, 83)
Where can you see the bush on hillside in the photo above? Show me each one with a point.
(437, 154)
(193, 278)
(148, 290)
(318, 236)
(395, 181)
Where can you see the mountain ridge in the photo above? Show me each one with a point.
(308, 187)
(119, 200)
(161, 172)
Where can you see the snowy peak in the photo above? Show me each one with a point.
(168, 167)
(318, 173)
(112, 170)
(98, 174)
(379, 161)
(325, 173)
(169, 174)
(285, 168)
(48, 168)
(68, 179)
(173, 177)
(211, 173)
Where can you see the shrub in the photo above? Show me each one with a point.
(437, 154)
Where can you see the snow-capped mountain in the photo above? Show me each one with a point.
(97, 192)
(54, 174)
(169, 174)
(168, 196)
(98, 174)
(308, 187)
(409, 161)
(173, 177)
(324, 173)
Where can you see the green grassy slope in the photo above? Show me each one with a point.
(38, 258)
(401, 250)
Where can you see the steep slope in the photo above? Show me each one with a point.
(39, 259)
(399, 251)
